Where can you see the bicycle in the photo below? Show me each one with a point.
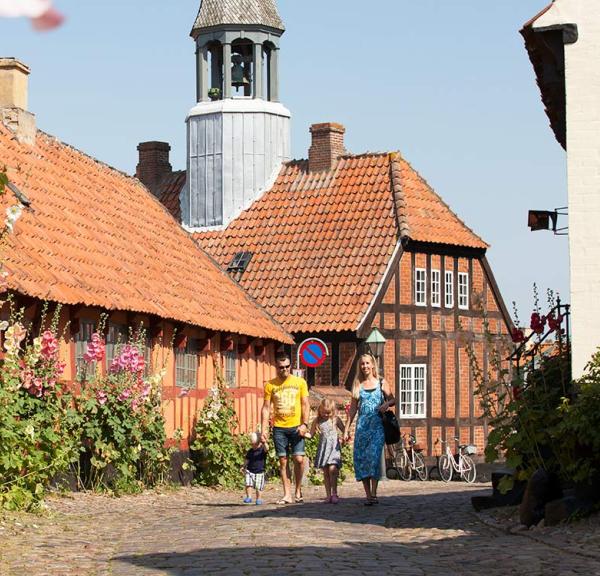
(408, 459)
(461, 463)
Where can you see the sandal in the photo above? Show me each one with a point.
(298, 500)
(374, 500)
(368, 503)
(283, 501)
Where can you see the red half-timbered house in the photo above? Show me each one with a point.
(343, 243)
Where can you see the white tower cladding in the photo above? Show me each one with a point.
(238, 133)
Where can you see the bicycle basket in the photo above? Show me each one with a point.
(471, 450)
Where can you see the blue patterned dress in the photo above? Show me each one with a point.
(368, 437)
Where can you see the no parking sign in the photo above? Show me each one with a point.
(312, 352)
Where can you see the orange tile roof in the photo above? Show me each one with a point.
(321, 241)
(97, 237)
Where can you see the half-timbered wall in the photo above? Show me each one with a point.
(428, 334)
(254, 362)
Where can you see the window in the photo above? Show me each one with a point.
(435, 288)
(420, 287)
(449, 289)
(239, 263)
(412, 390)
(186, 365)
(463, 290)
(115, 338)
(82, 338)
(231, 368)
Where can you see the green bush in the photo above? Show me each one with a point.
(217, 453)
(38, 423)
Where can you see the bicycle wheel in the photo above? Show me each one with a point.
(420, 467)
(445, 467)
(404, 467)
(469, 471)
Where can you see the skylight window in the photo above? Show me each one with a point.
(239, 263)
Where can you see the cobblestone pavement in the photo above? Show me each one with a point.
(417, 529)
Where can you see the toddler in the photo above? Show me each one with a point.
(254, 469)
(329, 452)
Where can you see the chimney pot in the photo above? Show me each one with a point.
(327, 146)
(13, 99)
(153, 165)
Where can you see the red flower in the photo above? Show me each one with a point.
(517, 335)
(537, 323)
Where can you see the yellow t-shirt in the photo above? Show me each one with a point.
(287, 398)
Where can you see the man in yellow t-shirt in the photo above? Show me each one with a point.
(288, 395)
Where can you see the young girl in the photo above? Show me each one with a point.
(329, 452)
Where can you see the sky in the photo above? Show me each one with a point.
(447, 83)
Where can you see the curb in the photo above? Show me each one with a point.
(491, 523)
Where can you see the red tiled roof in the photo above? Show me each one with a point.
(321, 241)
(170, 187)
(95, 236)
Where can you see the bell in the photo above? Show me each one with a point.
(238, 78)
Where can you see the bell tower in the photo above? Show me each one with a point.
(238, 133)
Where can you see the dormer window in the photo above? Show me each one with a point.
(239, 263)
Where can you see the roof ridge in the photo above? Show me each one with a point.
(86, 155)
(432, 190)
(398, 195)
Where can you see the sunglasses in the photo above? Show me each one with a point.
(286, 367)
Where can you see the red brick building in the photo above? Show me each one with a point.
(343, 243)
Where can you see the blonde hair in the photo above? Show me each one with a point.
(326, 405)
(253, 437)
(375, 372)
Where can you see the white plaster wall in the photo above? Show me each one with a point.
(235, 151)
(582, 80)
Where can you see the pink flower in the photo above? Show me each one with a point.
(124, 395)
(95, 349)
(49, 345)
(101, 397)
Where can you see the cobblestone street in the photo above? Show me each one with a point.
(417, 529)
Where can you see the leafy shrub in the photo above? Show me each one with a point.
(123, 430)
(37, 418)
(218, 453)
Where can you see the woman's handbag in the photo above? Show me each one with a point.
(391, 426)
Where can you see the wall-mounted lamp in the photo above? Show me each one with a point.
(546, 220)
(376, 343)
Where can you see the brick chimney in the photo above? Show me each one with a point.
(153, 165)
(327, 146)
(13, 100)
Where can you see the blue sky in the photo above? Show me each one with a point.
(449, 84)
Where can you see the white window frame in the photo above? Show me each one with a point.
(436, 288)
(449, 289)
(420, 287)
(413, 391)
(230, 364)
(463, 290)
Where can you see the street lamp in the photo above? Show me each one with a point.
(376, 343)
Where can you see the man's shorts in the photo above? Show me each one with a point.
(288, 440)
(255, 480)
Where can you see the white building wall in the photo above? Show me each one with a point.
(582, 80)
(235, 151)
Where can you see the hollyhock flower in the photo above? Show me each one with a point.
(124, 395)
(49, 345)
(13, 337)
(517, 335)
(537, 323)
(95, 349)
(13, 213)
(101, 397)
(3, 325)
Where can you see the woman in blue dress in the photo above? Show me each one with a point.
(371, 396)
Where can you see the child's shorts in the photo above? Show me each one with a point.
(255, 480)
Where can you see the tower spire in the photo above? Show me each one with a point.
(238, 132)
